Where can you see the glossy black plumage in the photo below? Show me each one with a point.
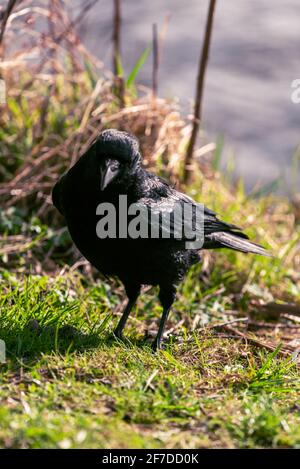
(112, 166)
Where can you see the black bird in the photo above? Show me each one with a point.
(112, 167)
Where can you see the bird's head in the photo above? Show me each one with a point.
(113, 157)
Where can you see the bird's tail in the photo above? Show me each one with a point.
(234, 240)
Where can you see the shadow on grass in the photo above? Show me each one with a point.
(27, 345)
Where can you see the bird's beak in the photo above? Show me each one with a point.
(108, 171)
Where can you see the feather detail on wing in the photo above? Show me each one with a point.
(234, 241)
(215, 232)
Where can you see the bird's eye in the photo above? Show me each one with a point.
(114, 166)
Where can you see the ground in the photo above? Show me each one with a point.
(68, 383)
(228, 375)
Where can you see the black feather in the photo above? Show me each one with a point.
(162, 262)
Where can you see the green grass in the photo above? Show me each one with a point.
(68, 383)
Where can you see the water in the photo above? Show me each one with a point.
(255, 56)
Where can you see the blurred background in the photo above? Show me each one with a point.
(255, 56)
(66, 80)
(254, 59)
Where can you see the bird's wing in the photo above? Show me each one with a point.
(211, 222)
(176, 215)
(201, 229)
(170, 217)
(171, 214)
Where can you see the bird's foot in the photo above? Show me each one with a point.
(119, 334)
(156, 345)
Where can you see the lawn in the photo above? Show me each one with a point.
(68, 383)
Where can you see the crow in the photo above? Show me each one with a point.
(110, 168)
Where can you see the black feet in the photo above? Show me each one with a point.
(132, 297)
(118, 334)
(158, 345)
(155, 346)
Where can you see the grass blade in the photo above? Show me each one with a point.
(137, 67)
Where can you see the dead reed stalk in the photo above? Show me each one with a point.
(116, 37)
(155, 50)
(10, 6)
(199, 91)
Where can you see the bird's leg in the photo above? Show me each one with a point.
(167, 297)
(132, 297)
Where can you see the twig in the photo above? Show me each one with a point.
(116, 36)
(223, 324)
(90, 105)
(233, 321)
(265, 325)
(277, 309)
(255, 342)
(88, 5)
(199, 91)
(150, 379)
(155, 62)
(10, 6)
(157, 46)
(119, 79)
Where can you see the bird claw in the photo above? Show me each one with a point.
(119, 335)
(155, 346)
